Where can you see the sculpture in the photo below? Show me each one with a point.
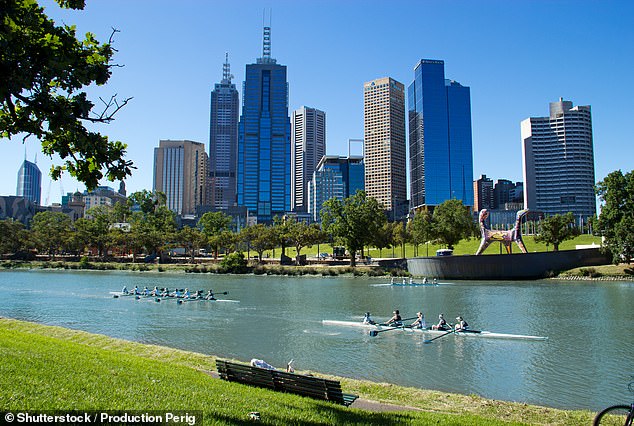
(504, 237)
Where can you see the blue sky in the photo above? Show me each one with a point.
(517, 56)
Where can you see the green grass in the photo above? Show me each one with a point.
(52, 368)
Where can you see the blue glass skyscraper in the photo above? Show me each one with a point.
(264, 147)
(441, 160)
(29, 182)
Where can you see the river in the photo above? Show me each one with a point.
(586, 362)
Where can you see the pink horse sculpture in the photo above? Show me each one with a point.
(504, 237)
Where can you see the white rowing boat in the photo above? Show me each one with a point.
(427, 331)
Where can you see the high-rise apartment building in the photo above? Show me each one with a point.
(335, 177)
(180, 171)
(29, 182)
(385, 146)
(440, 148)
(558, 159)
(482, 193)
(308, 146)
(264, 143)
(223, 141)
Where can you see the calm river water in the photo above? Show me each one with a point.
(586, 363)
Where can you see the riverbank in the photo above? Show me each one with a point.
(601, 273)
(47, 368)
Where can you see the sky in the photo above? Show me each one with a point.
(516, 56)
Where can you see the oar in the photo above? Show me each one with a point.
(373, 333)
(438, 337)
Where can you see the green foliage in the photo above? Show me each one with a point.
(13, 237)
(234, 263)
(44, 69)
(616, 221)
(300, 234)
(452, 221)
(213, 224)
(353, 222)
(192, 239)
(153, 225)
(50, 231)
(259, 237)
(556, 229)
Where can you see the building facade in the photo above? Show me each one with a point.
(335, 177)
(180, 171)
(223, 142)
(308, 146)
(558, 161)
(440, 147)
(385, 145)
(482, 193)
(264, 144)
(29, 182)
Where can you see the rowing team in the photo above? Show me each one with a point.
(411, 281)
(164, 292)
(397, 321)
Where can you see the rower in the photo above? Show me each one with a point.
(186, 294)
(125, 290)
(166, 292)
(146, 291)
(442, 324)
(435, 281)
(367, 319)
(210, 295)
(420, 321)
(199, 294)
(425, 280)
(155, 291)
(392, 281)
(411, 281)
(176, 293)
(136, 290)
(396, 319)
(462, 324)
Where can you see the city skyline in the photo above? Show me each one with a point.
(495, 48)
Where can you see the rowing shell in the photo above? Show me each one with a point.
(470, 333)
(181, 298)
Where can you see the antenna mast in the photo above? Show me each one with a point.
(226, 70)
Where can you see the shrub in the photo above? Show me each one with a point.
(234, 263)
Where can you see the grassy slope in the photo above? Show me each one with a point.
(47, 367)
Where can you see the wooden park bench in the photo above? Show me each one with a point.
(299, 384)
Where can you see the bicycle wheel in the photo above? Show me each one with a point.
(617, 415)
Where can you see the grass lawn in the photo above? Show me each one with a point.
(52, 368)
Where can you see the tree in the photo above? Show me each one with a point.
(302, 235)
(12, 236)
(556, 229)
(212, 225)
(421, 229)
(452, 222)
(96, 230)
(383, 238)
(50, 231)
(259, 237)
(352, 222)
(44, 69)
(400, 235)
(192, 239)
(153, 226)
(616, 221)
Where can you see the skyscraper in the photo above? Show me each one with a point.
(308, 146)
(180, 171)
(441, 163)
(482, 193)
(29, 182)
(384, 129)
(264, 145)
(558, 159)
(223, 141)
(335, 177)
